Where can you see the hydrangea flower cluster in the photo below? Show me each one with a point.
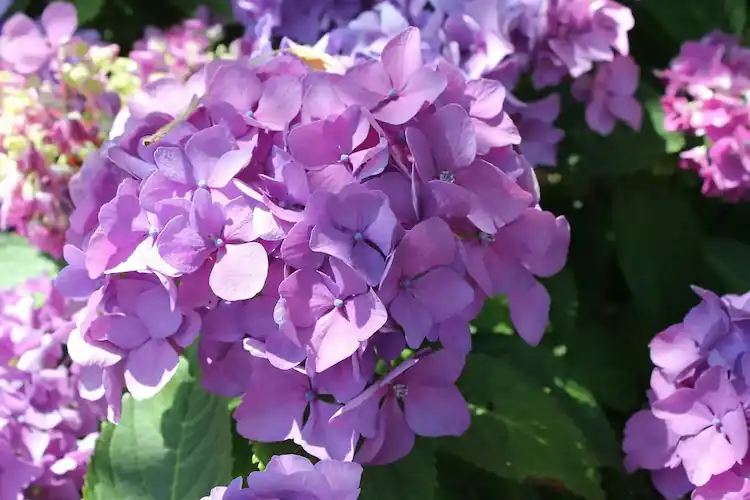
(707, 90)
(292, 476)
(56, 108)
(60, 92)
(694, 436)
(178, 51)
(312, 226)
(302, 20)
(47, 431)
(582, 40)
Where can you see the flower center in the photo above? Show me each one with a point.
(309, 396)
(359, 236)
(446, 176)
(400, 390)
(406, 283)
(344, 158)
(338, 303)
(487, 237)
(391, 93)
(219, 242)
(250, 114)
(153, 232)
(202, 184)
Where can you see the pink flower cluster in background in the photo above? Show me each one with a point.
(56, 107)
(60, 91)
(316, 228)
(178, 51)
(47, 431)
(707, 90)
(694, 435)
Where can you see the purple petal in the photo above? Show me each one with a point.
(240, 271)
(181, 247)
(60, 22)
(436, 411)
(149, 367)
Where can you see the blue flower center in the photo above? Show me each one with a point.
(309, 396)
(153, 232)
(344, 158)
(446, 176)
(487, 237)
(359, 236)
(219, 242)
(391, 93)
(716, 422)
(406, 283)
(202, 184)
(338, 303)
(250, 114)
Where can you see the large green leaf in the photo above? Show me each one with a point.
(520, 431)
(411, 478)
(20, 261)
(558, 376)
(729, 260)
(659, 247)
(88, 9)
(174, 446)
(692, 19)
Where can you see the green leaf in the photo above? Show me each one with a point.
(692, 19)
(88, 9)
(729, 260)
(659, 247)
(264, 452)
(411, 478)
(520, 431)
(174, 446)
(19, 261)
(559, 377)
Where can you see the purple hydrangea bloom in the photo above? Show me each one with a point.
(311, 227)
(609, 95)
(694, 436)
(47, 428)
(292, 476)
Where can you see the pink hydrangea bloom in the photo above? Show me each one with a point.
(707, 86)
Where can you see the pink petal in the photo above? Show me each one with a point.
(402, 56)
(705, 455)
(423, 88)
(280, 102)
(60, 22)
